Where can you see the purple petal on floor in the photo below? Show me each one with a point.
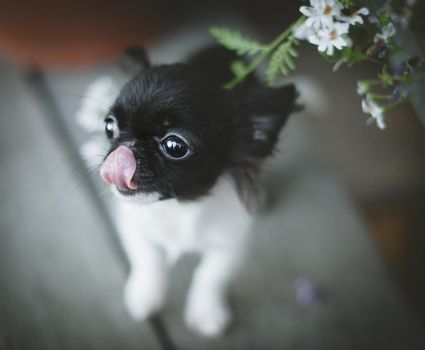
(307, 292)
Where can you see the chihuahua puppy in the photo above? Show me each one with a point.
(184, 160)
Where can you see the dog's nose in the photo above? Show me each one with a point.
(119, 168)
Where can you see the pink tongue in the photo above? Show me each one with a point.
(119, 168)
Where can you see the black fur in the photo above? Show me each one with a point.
(230, 131)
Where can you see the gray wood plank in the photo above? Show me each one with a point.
(60, 276)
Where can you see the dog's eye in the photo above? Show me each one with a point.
(111, 128)
(175, 147)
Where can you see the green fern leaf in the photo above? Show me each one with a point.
(233, 40)
(292, 52)
(284, 70)
(289, 62)
(281, 61)
(238, 68)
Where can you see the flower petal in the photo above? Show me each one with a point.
(306, 11)
(363, 11)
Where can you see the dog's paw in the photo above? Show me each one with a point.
(140, 302)
(209, 318)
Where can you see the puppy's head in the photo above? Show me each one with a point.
(173, 132)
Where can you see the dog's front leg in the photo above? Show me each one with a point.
(207, 310)
(147, 284)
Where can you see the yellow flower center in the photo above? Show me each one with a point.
(328, 10)
(333, 34)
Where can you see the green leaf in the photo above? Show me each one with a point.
(347, 3)
(281, 61)
(386, 78)
(283, 70)
(233, 40)
(290, 63)
(384, 17)
(292, 52)
(238, 68)
(353, 54)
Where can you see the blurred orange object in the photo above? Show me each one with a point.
(54, 33)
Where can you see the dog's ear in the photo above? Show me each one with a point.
(135, 60)
(264, 133)
(267, 110)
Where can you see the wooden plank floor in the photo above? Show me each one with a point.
(60, 276)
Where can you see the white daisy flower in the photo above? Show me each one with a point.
(354, 18)
(377, 112)
(303, 31)
(321, 12)
(331, 37)
(388, 32)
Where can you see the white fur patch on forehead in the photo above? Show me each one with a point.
(138, 198)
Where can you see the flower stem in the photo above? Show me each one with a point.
(270, 48)
(371, 82)
(392, 105)
(378, 96)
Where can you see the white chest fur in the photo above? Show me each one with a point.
(217, 220)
